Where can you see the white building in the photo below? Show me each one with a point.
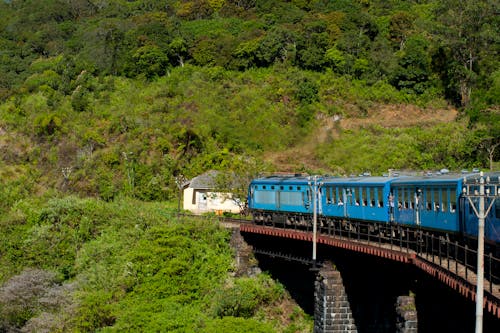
(200, 197)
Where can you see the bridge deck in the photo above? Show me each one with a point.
(450, 272)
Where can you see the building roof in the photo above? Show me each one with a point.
(205, 181)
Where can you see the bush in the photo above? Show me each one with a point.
(246, 295)
(20, 296)
(47, 125)
(237, 325)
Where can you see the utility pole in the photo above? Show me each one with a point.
(481, 213)
(314, 186)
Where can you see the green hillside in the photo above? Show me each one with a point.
(103, 98)
(84, 265)
(105, 104)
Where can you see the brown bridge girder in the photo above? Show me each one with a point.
(465, 288)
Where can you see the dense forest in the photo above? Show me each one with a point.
(106, 106)
(107, 97)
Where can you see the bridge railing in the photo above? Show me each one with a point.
(459, 259)
(450, 254)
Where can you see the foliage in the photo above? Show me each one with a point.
(117, 266)
(244, 297)
(236, 324)
(435, 148)
(27, 295)
(179, 86)
(113, 100)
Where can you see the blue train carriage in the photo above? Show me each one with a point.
(469, 219)
(280, 199)
(428, 202)
(357, 198)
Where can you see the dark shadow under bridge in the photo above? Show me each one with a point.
(442, 259)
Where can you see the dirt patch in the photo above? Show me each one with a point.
(302, 157)
(400, 116)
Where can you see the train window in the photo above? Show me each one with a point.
(334, 195)
(411, 198)
(402, 198)
(328, 195)
(290, 188)
(428, 199)
(272, 187)
(281, 187)
(363, 197)
(290, 198)
(437, 199)
(298, 188)
(444, 199)
(407, 201)
(265, 197)
(371, 198)
(379, 197)
(352, 198)
(453, 200)
(263, 187)
(342, 195)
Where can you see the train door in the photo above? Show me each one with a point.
(278, 200)
(425, 212)
(307, 199)
(462, 218)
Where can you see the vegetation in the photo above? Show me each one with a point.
(105, 104)
(111, 267)
(119, 97)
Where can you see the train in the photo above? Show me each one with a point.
(400, 204)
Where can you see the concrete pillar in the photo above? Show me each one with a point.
(406, 319)
(246, 264)
(332, 312)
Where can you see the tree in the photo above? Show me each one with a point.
(414, 66)
(178, 49)
(487, 134)
(336, 59)
(469, 30)
(104, 45)
(400, 26)
(236, 181)
(151, 61)
(277, 44)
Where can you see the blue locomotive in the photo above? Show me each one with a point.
(406, 203)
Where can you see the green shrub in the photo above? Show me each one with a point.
(244, 296)
(236, 325)
(47, 125)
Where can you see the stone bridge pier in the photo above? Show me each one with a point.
(332, 311)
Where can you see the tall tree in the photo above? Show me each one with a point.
(469, 30)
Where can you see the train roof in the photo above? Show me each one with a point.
(436, 178)
(282, 180)
(365, 180)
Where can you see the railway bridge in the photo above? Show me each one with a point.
(452, 264)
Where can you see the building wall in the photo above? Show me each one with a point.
(202, 201)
